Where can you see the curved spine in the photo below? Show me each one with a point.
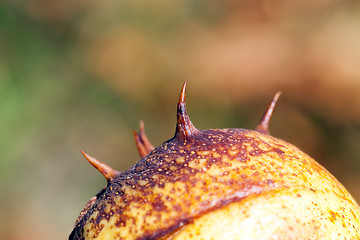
(263, 126)
(104, 169)
(184, 126)
(143, 144)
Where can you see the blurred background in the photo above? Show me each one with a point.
(80, 74)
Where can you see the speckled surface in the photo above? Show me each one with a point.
(182, 180)
(223, 184)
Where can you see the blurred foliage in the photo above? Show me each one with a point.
(78, 74)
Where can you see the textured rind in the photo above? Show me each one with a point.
(282, 214)
(183, 180)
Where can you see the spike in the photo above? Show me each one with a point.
(184, 127)
(147, 144)
(263, 126)
(104, 169)
(142, 142)
(139, 145)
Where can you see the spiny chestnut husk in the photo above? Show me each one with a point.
(222, 184)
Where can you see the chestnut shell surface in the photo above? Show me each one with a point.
(187, 186)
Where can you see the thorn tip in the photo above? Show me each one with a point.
(143, 144)
(144, 139)
(263, 126)
(184, 127)
(104, 169)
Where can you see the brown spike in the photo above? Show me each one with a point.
(147, 144)
(104, 169)
(184, 127)
(139, 145)
(142, 142)
(263, 126)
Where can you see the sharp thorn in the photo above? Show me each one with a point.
(263, 126)
(184, 127)
(144, 139)
(104, 169)
(139, 145)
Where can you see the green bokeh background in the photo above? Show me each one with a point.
(79, 75)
